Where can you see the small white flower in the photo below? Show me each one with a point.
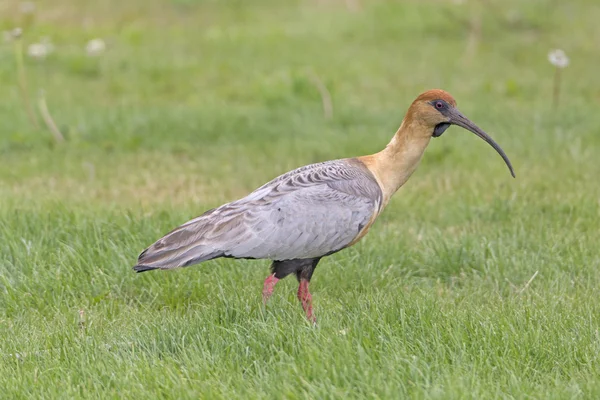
(40, 50)
(95, 47)
(27, 7)
(15, 33)
(558, 58)
(37, 50)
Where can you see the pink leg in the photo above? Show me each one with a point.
(268, 287)
(306, 300)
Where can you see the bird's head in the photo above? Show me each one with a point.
(436, 111)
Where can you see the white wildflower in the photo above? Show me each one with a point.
(27, 7)
(558, 58)
(95, 47)
(38, 51)
(13, 34)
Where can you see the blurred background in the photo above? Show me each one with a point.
(179, 100)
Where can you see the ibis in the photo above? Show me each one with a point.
(313, 211)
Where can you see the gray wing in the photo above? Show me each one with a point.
(309, 212)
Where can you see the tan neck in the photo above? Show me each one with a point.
(393, 165)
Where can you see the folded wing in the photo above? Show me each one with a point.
(308, 212)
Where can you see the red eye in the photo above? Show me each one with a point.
(439, 105)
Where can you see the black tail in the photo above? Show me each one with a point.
(143, 268)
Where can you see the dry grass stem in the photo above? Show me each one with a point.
(528, 282)
(325, 95)
(58, 136)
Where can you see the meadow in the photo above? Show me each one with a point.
(472, 284)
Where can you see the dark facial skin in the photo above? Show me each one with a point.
(454, 117)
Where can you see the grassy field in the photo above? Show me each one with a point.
(471, 285)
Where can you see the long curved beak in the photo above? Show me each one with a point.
(457, 118)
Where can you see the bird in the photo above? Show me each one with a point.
(313, 211)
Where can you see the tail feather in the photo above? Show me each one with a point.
(186, 245)
(143, 268)
(151, 259)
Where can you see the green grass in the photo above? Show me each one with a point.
(195, 103)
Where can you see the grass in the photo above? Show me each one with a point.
(195, 103)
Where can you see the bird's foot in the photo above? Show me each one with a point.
(268, 287)
(306, 300)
